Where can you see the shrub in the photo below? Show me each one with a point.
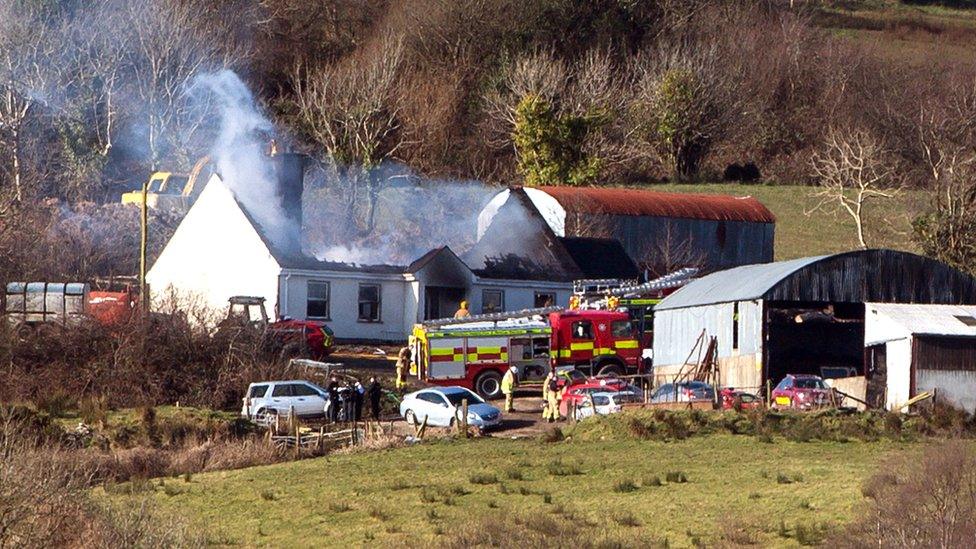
(553, 434)
(676, 477)
(55, 403)
(514, 474)
(268, 495)
(625, 486)
(483, 478)
(626, 519)
(560, 469)
(339, 506)
(783, 478)
(651, 480)
(925, 502)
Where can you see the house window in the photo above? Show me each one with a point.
(317, 304)
(369, 302)
(492, 301)
(544, 299)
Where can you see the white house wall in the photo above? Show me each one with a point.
(344, 303)
(214, 254)
(519, 294)
(677, 330)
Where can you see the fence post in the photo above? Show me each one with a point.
(769, 394)
(463, 423)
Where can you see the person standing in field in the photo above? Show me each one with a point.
(374, 391)
(550, 393)
(509, 383)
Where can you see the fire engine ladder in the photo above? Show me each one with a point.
(672, 280)
(492, 317)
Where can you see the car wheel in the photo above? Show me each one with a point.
(489, 385)
(265, 417)
(410, 417)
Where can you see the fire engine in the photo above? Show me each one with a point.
(606, 331)
(476, 352)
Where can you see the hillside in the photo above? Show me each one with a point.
(800, 234)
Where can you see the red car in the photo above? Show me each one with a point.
(733, 399)
(578, 392)
(802, 392)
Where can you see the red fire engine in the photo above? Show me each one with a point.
(603, 333)
(476, 353)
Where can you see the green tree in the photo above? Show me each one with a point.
(550, 144)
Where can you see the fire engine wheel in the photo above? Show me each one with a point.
(608, 369)
(489, 385)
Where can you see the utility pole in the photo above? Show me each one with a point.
(143, 245)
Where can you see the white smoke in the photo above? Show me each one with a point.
(239, 153)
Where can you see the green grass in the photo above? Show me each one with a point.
(798, 234)
(345, 499)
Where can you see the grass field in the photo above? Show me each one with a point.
(439, 492)
(888, 224)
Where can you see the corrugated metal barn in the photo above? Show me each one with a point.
(919, 348)
(800, 316)
(660, 231)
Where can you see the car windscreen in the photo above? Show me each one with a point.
(601, 400)
(258, 391)
(455, 398)
(808, 383)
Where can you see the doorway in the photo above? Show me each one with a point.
(441, 301)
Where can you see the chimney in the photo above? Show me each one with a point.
(290, 175)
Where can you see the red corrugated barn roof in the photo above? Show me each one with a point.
(603, 200)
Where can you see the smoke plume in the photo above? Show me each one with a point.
(239, 154)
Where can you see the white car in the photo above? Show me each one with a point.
(441, 406)
(263, 401)
(604, 403)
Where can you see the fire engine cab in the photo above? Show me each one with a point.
(476, 352)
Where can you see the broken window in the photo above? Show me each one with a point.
(492, 301)
(369, 302)
(544, 299)
(317, 304)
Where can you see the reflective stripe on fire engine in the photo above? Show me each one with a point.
(588, 346)
(603, 351)
(626, 344)
(486, 333)
(565, 353)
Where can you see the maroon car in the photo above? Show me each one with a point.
(802, 392)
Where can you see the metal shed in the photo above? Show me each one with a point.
(800, 316)
(911, 349)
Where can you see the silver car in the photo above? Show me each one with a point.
(605, 403)
(441, 407)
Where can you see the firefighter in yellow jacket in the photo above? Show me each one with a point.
(509, 383)
(550, 397)
(402, 365)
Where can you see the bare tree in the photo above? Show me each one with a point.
(669, 251)
(352, 109)
(946, 133)
(853, 170)
(25, 49)
(167, 51)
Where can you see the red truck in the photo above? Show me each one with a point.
(476, 352)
